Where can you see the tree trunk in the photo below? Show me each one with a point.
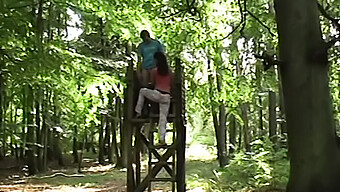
(102, 127)
(272, 116)
(38, 130)
(232, 134)
(75, 145)
(113, 125)
(107, 137)
(260, 116)
(283, 125)
(124, 136)
(57, 146)
(31, 161)
(223, 157)
(246, 131)
(222, 153)
(2, 127)
(44, 131)
(114, 136)
(314, 154)
(24, 119)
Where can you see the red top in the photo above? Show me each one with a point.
(162, 83)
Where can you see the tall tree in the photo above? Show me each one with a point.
(314, 154)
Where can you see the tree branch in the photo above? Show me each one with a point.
(332, 42)
(326, 15)
(172, 14)
(268, 60)
(336, 24)
(241, 22)
(243, 15)
(258, 20)
(190, 8)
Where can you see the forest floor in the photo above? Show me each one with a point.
(94, 177)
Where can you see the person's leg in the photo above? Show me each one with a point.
(163, 113)
(153, 95)
(145, 77)
(140, 101)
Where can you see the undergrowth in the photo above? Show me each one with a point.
(262, 169)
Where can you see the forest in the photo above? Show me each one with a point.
(261, 83)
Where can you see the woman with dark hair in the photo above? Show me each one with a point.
(162, 77)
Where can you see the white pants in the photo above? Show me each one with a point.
(164, 104)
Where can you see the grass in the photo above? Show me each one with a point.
(260, 171)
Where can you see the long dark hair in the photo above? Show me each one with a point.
(161, 63)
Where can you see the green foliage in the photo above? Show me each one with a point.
(264, 167)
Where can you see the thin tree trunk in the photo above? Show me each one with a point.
(223, 157)
(12, 128)
(75, 145)
(272, 116)
(2, 127)
(213, 109)
(107, 137)
(283, 125)
(17, 152)
(58, 147)
(31, 161)
(45, 105)
(246, 131)
(223, 160)
(232, 135)
(114, 136)
(112, 124)
(24, 119)
(80, 161)
(260, 116)
(39, 130)
(124, 136)
(101, 140)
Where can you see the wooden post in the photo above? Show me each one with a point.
(137, 150)
(180, 127)
(128, 128)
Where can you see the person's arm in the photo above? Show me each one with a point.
(160, 47)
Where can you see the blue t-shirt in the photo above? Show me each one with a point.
(147, 50)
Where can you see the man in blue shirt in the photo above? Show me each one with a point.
(146, 51)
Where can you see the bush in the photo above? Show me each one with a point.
(262, 168)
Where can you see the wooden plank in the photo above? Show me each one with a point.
(164, 179)
(180, 127)
(158, 156)
(128, 129)
(154, 171)
(137, 154)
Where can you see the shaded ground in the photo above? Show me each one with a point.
(95, 177)
(201, 173)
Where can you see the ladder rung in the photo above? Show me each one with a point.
(162, 163)
(149, 119)
(153, 115)
(161, 146)
(163, 179)
(167, 130)
(140, 120)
